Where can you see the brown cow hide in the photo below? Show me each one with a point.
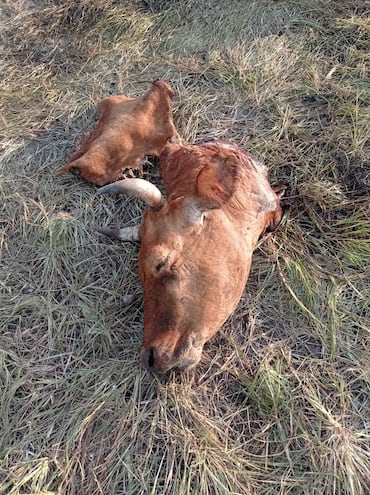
(127, 130)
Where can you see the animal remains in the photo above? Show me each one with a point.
(127, 130)
(196, 244)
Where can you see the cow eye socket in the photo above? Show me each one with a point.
(166, 270)
(160, 265)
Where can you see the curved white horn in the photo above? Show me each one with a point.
(139, 188)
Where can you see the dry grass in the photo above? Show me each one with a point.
(280, 403)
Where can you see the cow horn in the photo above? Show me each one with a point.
(126, 234)
(138, 188)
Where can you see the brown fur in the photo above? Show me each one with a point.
(127, 130)
(196, 250)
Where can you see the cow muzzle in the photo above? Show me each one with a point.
(158, 359)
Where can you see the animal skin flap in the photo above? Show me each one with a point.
(127, 130)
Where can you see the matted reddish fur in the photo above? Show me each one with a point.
(127, 130)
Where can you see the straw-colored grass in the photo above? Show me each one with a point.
(280, 402)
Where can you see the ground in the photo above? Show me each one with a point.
(280, 402)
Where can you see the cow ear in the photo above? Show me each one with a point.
(215, 185)
(216, 180)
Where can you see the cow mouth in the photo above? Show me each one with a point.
(187, 364)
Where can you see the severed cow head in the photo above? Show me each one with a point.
(196, 245)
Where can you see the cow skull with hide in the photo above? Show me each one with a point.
(127, 130)
(196, 245)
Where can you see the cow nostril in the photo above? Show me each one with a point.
(151, 358)
(148, 360)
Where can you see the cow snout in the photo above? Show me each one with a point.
(157, 358)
